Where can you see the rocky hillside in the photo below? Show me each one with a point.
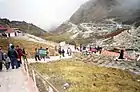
(25, 27)
(97, 20)
(98, 11)
(124, 11)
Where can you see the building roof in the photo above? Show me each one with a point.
(9, 30)
(2, 27)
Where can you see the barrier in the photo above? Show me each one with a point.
(31, 72)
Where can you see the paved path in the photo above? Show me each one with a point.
(15, 81)
(52, 58)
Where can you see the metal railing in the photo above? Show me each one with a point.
(39, 80)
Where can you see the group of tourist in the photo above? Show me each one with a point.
(41, 54)
(88, 50)
(12, 57)
(62, 51)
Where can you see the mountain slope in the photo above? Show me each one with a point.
(25, 27)
(97, 18)
(124, 11)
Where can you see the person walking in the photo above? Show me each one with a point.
(20, 54)
(81, 47)
(56, 49)
(63, 52)
(13, 55)
(24, 55)
(69, 52)
(1, 58)
(47, 53)
(7, 61)
(60, 52)
(37, 57)
(42, 53)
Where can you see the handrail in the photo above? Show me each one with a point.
(34, 72)
(55, 89)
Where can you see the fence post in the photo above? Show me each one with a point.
(27, 70)
(34, 79)
(50, 89)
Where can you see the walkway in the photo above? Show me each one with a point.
(15, 81)
(52, 58)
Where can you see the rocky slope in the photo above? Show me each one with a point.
(97, 18)
(124, 11)
(25, 27)
(105, 61)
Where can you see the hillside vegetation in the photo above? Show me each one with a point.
(84, 77)
(22, 25)
(28, 45)
(123, 11)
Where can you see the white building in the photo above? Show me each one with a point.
(13, 32)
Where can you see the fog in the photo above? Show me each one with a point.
(48, 13)
(43, 13)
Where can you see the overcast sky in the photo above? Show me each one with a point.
(43, 13)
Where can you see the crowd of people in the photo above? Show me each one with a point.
(14, 54)
(12, 57)
(62, 52)
(89, 50)
(41, 54)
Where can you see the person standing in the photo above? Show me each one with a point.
(121, 54)
(1, 58)
(13, 55)
(20, 54)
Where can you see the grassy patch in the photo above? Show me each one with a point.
(67, 38)
(59, 37)
(4, 43)
(30, 46)
(88, 78)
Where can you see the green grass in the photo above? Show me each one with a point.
(88, 78)
(28, 45)
(67, 38)
(4, 43)
(59, 37)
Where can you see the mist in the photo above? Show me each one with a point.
(130, 4)
(43, 13)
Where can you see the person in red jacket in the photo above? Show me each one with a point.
(20, 54)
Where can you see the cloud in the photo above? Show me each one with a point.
(43, 13)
